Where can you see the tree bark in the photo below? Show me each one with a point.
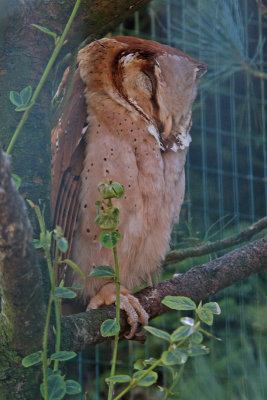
(23, 310)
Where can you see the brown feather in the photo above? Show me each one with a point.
(68, 146)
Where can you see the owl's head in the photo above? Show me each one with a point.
(154, 82)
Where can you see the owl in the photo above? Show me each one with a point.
(127, 119)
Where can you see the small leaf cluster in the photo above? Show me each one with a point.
(107, 214)
(184, 342)
(21, 100)
(47, 32)
(58, 387)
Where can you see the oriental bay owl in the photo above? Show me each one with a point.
(127, 119)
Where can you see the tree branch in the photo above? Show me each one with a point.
(200, 282)
(211, 247)
(23, 310)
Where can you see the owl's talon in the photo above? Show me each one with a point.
(132, 317)
(130, 304)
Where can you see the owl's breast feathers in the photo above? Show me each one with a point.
(136, 97)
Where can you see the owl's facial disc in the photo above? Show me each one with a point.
(159, 87)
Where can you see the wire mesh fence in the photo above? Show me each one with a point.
(226, 187)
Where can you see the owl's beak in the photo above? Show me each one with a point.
(167, 127)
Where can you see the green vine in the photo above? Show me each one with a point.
(108, 220)
(184, 342)
(54, 386)
(23, 100)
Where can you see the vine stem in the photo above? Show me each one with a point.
(116, 340)
(57, 310)
(45, 343)
(134, 382)
(44, 76)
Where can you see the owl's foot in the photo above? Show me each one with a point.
(135, 312)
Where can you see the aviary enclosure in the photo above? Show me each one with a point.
(226, 191)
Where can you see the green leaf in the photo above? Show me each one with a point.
(109, 239)
(181, 333)
(196, 350)
(79, 287)
(148, 380)
(31, 359)
(37, 244)
(64, 293)
(139, 364)
(158, 332)
(74, 266)
(205, 315)
(119, 378)
(114, 190)
(72, 387)
(109, 328)
(62, 244)
(15, 99)
(45, 30)
(118, 190)
(171, 358)
(58, 232)
(197, 337)
(63, 355)
(187, 321)
(213, 307)
(24, 107)
(17, 180)
(26, 95)
(179, 303)
(56, 387)
(103, 271)
(108, 219)
(182, 353)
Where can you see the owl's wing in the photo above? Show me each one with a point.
(68, 145)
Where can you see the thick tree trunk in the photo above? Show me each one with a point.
(23, 310)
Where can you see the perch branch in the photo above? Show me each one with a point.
(23, 311)
(82, 330)
(211, 247)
